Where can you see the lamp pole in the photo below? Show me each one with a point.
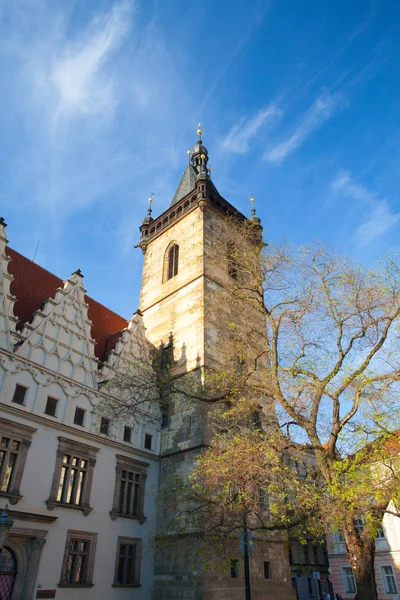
(246, 561)
(5, 524)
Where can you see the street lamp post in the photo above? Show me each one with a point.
(5, 525)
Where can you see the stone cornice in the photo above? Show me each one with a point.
(92, 437)
(22, 515)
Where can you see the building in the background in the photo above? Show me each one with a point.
(387, 561)
(310, 570)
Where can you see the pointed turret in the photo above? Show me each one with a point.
(196, 169)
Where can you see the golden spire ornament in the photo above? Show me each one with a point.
(253, 210)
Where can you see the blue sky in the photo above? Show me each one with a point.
(299, 102)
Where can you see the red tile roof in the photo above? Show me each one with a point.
(33, 285)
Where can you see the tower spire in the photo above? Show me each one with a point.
(254, 219)
(148, 218)
(200, 156)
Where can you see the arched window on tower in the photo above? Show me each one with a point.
(173, 260)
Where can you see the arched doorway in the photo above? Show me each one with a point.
(8, 573)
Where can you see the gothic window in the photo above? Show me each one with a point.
(15, 440)
(172, 261)
(8, 573)
(127, 564)
(78, 563)
(73, 474)
(129, 488)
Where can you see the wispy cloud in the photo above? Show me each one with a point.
(321, 110)
(378, 217)
(77, 75)
(238, 138)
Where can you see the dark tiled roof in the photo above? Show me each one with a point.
(33, 285)
(186, 185)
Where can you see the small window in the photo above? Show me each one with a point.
(234, 568)
(78, 563)
(104, 425)
(348, 580)
(173, 259)
(148, 441)
(164, 417)
(389, 581)
(19, 394)
(359, 525)
(51, 406)
(127, 434)
(267, 571)
(380, 534)
(127, 566)
(79, 416)
(306, 555)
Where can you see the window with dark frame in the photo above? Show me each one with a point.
(306, 555)
(234, 568)
(73, 474)
(127, 566)
(51, 406)
(15, 440)
(173, 259)
(19, 394)
(129, 488)
(148, 441)
(104, 425)
(267, 570)
(79, 417)
(78, 563)
(127, 434)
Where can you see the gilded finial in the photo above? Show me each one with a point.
(209, 170)
(199, 130)
(189, 153)
(253, 210)
(150, 201)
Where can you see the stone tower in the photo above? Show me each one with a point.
(181, 269)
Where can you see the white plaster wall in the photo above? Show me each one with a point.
(35, 488)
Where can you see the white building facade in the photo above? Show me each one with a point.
(80, 489)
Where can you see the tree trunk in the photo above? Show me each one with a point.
(361, 555)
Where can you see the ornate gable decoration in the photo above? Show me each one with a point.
(59, 337)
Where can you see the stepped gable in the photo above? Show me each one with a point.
(33, 285)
